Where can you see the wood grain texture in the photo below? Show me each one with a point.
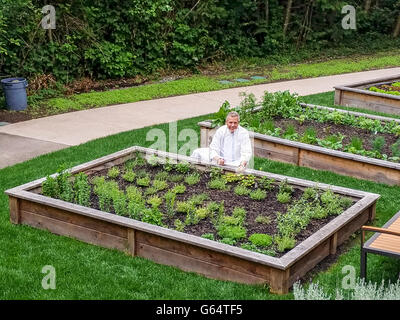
(14, 210)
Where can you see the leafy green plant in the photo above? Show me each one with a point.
(260, 239)
(283, 197)
(265, 183)
(160, 184)
(198, 199)
(183, 167)
(247, 180)
(64, 185)
(184, 206)
(218, 118)
(219, 184)
(152, 216)
(231, 232)
(143, 182)
(356, 143)
(333, 141)
(129, 176)
(258, 194)
(168, 165)
(134, 194)
(310, 193)
(192, 179)
(82, 189)
(170, 197)
(378, 143)
(113, 172)
(200, 214)
(284, 243)
(50, 187)
(285, 187)
(216, 173)
(309, 136)
(119, 201)
(395, 148)
(179, 188)
(154, 161)
(176, 177)
(209, 236)
(239, 213)
(241, 190)
(154, 201)
(179, 225)
(263, 219)
(162, 175)
(290, 133)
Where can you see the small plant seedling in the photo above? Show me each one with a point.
(113, 172)
(179, 225)
(160, 185)
(175, 178)
(283, 197)
(378, 143)
(258, 194)
(284, 243)
(263, 219)
(241, 190)
(231, 232)
(179, 188)
(129, 176)
(162, 175)
(260, 239)
(143, 182)
(208, 236)
(192, 179)
(219, 184)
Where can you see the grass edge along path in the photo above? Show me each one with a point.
(85, 271)
(197, 84)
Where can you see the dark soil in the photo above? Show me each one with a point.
(267, 207)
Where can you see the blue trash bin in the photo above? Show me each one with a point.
(15, 93)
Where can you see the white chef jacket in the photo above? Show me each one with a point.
(234, 147)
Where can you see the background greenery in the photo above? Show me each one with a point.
(111, 39)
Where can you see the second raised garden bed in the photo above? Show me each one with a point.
(359, 95)
(324, 158)
(97, 213)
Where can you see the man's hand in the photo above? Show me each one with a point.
(221, 161)
(242, 167)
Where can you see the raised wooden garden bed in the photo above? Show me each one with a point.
(317, 157)
(357, 95)
(185, 251)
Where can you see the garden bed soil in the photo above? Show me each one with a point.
(267, 208)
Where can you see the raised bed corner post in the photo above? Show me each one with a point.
(131, 242)
(279, 282)
(14, 210)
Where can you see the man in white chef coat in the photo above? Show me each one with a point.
(230, 145)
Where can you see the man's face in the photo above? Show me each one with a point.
(232, 123)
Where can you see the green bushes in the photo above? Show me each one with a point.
(110, 39)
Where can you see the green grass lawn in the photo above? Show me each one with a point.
(85, 271)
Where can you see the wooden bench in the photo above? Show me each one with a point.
(385, 241)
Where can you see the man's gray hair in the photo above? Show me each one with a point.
(233, 114)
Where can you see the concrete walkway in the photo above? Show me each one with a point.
(25, 140)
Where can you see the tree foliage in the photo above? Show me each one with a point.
(110, 38)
